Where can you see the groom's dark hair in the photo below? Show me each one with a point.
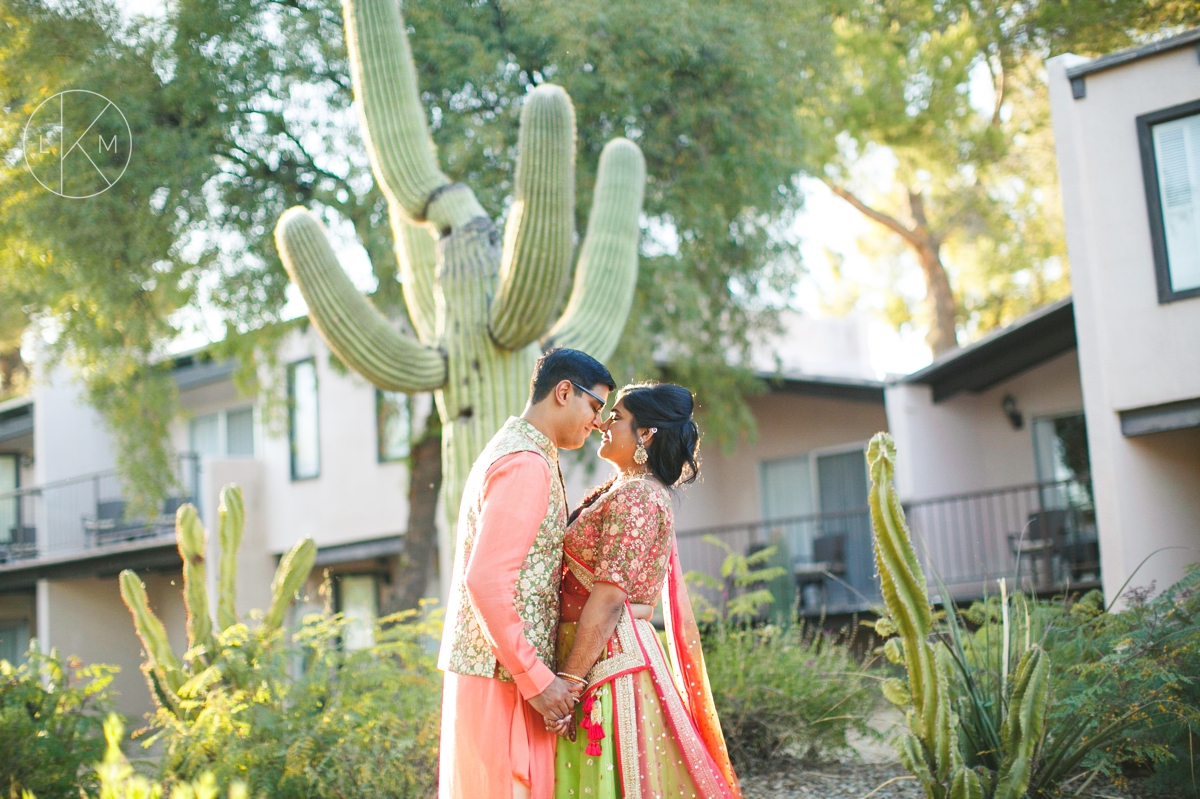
(562, 364)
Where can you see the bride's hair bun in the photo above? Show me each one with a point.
(673, 451)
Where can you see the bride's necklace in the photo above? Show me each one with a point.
(625, 477)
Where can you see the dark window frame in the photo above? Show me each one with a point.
(291, 389)
(1158, 233)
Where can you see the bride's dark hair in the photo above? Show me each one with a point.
(672, 454)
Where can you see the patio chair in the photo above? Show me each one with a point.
(829, 557)
(1037, 542)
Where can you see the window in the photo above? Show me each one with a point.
(1061, 449)
(391, 425)
(9, 481)
(358, 602)
(1170, 145)
(239, 433)
(303, 428)
(227, 434)
(14, 641)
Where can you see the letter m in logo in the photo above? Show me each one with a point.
(110, 146)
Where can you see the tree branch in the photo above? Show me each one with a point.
(890, 222)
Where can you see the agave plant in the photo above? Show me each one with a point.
(208, 662)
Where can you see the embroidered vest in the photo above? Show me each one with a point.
(465, 648)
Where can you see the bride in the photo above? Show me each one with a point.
(646, 725)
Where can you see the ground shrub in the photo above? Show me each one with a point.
(1144, 664)
(315, 720)
(786, 694)
(52, 713)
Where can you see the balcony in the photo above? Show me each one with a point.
(86, 517)
(1041, 537)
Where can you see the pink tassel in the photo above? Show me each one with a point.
(593, 749)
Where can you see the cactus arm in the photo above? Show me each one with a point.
(1023, 725)
(535, 266)
(606, 274)
(154, 636)
(394, 128)
(390, 111)
(193, 548)
(232, 513)
(416, 251)
(292, 572)
(351, 327)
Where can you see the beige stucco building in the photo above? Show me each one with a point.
(1127, 132)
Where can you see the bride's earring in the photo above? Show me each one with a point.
(639, 455)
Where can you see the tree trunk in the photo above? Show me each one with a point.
(419, 557)
(939, 298)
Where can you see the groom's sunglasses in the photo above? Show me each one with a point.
(590, 394)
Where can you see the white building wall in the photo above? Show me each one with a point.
(69, 437)
(966, 443)
(355, 498)
(1133, 351)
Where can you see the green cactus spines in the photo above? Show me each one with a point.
(966, 785)
(193, 549)
(159, 657)
(1022, 726)
(482, 309)
(293, 570)
(170, 681)
(351, 327)
(930, 748)
(606, 275)
(231, 522)
(391, 115)
(535, 265)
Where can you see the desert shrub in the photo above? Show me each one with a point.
(787, 693)
(51, 717)
(312, 719)
(1124, 692)
(1141, 664)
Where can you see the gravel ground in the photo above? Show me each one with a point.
(834, 781)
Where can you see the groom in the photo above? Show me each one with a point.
(502, 616)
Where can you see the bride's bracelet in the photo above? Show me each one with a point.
(572, 678)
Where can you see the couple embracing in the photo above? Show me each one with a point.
(556, 682)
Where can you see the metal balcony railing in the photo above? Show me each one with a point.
(85, 514)
(1040, 537)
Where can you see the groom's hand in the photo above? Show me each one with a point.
(556, 701)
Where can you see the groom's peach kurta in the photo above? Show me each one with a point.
(492, 739)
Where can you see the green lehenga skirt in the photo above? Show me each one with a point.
(646, 746)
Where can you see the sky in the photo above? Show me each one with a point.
(827, 228)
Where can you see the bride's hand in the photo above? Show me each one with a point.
(563, 727)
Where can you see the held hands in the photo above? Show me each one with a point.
(557, 709)
(556, 702)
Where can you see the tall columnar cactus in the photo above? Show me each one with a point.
(482, 309)
(170, 679)
(929, 748)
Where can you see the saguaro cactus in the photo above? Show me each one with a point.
(170, 679)
(929, 748)
(482, 311)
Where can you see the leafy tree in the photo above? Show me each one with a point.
(973, 195)
(241, 108)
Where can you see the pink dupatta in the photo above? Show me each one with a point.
(687, 666)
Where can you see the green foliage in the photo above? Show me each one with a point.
(214, 654)
(51, 713)
(785, 693)
(1127, 686)
(117, 779)
(309, 719)
(740, 586)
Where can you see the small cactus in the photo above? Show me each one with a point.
(929, 748)
(169, 679)
(482, 309)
